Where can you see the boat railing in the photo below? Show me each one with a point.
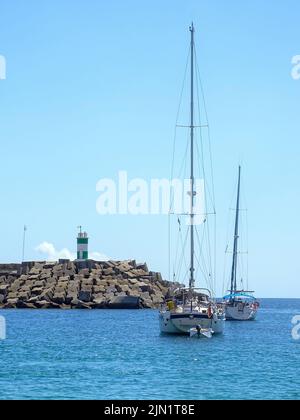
(187, 290)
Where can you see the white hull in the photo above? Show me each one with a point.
(240, 313)
(183, 323)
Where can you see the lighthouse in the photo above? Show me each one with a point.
(82, 245)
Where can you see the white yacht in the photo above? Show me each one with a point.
(192, 311)
(240, 305)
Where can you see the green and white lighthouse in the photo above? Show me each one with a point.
(82, 245)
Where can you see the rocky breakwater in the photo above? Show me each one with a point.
(81, 285)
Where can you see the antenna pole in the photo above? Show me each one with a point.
(192, 127)
(24, 242)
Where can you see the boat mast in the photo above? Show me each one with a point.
(192, 127)
(236, 240)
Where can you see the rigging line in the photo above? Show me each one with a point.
(204, 274)
(207, 227)
(177, 248)
(209, 256)
(195, 126)
(182, 169)
(178, 111)
(185, 277)
(201, 158)
(201, 155)
(211, 163)
(201, 245)
(229, 225)
(230, 229)
(181, 172)
(247, 229)
(209, 251)
(202, 168)
(182, 258)
(200, 268)
(198, 261)
(224, 276)
(202, 140)
(183, 85)
(206, 248)
(215, 252)
(211, 197)
(183, 248)
(239, 269)
(174, 150)
(207, 122)
(184, 162)
(169, 246)
(176, 262)
(242, 241)
(245, 221)
(205, 188)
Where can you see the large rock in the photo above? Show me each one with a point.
(35, 271)
(111, 290)
(145, 288)
(84, 285)
(11, 303)
(78, 304)
(4, 289)
(99, 289)
(85, 295)
(46, 274)
(25, 305)
(100, 302)
(12, 295)
(23, 296)
(71, 297)
(36, 291)
(124, 302)
(43, 304)
(47, 295)
(59, 298)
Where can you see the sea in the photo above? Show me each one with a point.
(116, 355)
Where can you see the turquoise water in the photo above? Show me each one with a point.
(121, 355)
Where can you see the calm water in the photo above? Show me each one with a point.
(120, 355)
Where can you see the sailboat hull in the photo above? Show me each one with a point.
(183, 323)
(240, 313)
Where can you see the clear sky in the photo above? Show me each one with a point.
(92, 88)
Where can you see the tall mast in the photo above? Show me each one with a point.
(192, 127)
(236, 240)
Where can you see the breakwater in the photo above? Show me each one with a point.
(82, 285)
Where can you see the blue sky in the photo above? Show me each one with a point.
(92, 88)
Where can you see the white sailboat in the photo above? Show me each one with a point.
(192, 311)
(240, 305)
